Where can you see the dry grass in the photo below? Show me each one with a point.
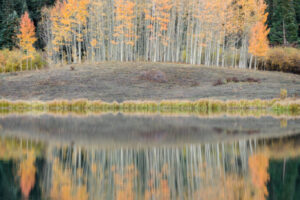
(115, 81)
(200, 107)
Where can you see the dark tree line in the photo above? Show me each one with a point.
(283, 20)
(10, 14)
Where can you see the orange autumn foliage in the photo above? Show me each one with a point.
(162, 190)
(64, 187)
(125, 183)
(27, 174)
(27, 33)
(258, 166)
(158, 15)
(258, 43)
(125, 18)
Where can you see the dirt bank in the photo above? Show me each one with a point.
(132, 81)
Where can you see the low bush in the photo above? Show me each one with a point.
(16, 60)
(154, 76)
(283, 93)
(235, 80)
(284, 59)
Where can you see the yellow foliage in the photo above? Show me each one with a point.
(283, 93)
(125, 15)
(15, 60)
(285, 59)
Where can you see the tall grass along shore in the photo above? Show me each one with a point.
(202, 106)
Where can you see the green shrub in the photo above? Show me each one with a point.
(16, 60)
(283, 59)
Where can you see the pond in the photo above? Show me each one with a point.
(128, 156)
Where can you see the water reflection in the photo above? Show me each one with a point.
(240, 168)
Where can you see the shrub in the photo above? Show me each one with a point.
(283, 59)
(154, 75)
(283, 94)
(220, 82)
(15, 60)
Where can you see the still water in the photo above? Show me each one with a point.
(116, 156)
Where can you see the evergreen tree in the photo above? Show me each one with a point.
(297, 9)
(284, 28)
(270, 11)
(8, 30)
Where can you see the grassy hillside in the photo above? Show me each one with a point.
(115, 81)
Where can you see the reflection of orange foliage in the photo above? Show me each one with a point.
(63, 187)
(225, 187)
(165, 189)
(27, 173)
(163, 192)
(258, 165)
(125, 183)
(81, 193)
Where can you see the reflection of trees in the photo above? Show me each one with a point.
(258, 166)
(216, 171)
(284, 179)
(27, 172)
(63, 187)
(16, 148)
(237, 170)
(20, 154)
(124, 182)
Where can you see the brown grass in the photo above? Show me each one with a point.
(115, 81)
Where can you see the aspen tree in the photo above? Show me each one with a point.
(56, 31)
(210, 32)
(27, 36)
(27, 173)
(81, 19)
(258, 43)
(124, 31)
(95, 30)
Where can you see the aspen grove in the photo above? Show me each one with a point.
(209, 32)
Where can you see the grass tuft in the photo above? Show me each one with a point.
(283, 93)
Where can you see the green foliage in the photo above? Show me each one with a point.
(297, 9)
(8, 29)
(283, 59)
(15, 60)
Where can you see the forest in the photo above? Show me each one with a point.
(240, 34)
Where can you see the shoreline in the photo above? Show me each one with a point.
(206, 107)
